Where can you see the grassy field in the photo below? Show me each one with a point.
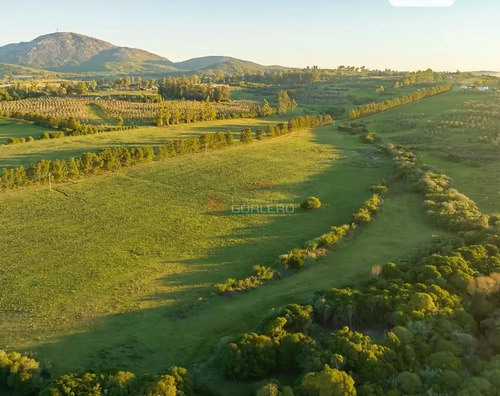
(18, 129)
(119, 269)
(129, 250)
(461, 152)
(26, 153)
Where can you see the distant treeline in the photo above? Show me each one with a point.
(173, 113)
(312, 74)
(113, 159)
(35, 90)
(193, 89)
(421, 76)
(43, 120)
(82, 130)
(372, 108)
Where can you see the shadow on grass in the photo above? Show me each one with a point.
(188, 321)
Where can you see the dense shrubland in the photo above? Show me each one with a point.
(24, 376)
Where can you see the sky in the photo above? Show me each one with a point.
(371, 33)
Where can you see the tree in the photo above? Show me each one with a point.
(265, 109)
(284, 102)
(246, 136)
(328, 382)
(409, 383)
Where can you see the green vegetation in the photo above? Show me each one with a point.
(135, 260)
(144, 272)
(14, 129)
(372, 108)
(311, 203)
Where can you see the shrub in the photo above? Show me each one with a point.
(259, 134)
(311, 203)
(293, 260)
(369, 137)
(362, 216)
(379, 189)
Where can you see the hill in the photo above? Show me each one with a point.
(204, 62)
(71, 52)
(75, 53)
(7, 69)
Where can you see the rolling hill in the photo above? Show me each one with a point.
(75, 53)
(71, 52)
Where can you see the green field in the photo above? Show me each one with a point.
(90, 256)
(73, 146)
(118, 270)
(18, 129)
(473, 165)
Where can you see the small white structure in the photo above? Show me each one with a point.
(483, 88)
(465, 87)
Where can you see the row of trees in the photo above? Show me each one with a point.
(372, 108)
(420, 76)
(107, 159)
(297, 76)
(445, 206)
(69, 124)
(35, 89)
(113, 159)
(297, 258)
(191, 89)
(80, 131)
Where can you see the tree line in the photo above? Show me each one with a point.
(193, 89)
(35, 90)
(80, 131)
(372, 108)
(420, 76)
(114, 159)
(445, 206)
(25, 376)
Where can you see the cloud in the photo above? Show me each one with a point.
(422, 3)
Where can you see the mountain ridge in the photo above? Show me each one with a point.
(68, 52)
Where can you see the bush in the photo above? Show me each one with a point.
(369, 137)
(378, 189)
(293, 260)
(362, 216)
(20, 373)
(311, 203)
